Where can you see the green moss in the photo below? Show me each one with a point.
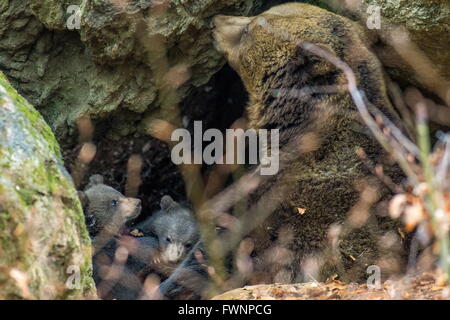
(53, 13)
(36, 122)
(42, 228)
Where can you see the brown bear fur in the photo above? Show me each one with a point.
(323, 131)
(106, 210)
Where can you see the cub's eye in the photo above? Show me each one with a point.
(168, 239)
(188, 245)
(114, 203)
(245, 30)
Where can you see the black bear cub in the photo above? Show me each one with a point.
(122, 260)
(175, 228)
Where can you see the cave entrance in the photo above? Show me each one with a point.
(218, 104)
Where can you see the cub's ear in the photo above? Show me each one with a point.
(96, 179)
(83, 199)
(167, 203)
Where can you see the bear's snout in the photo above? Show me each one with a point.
(227, 35)
(130, 208)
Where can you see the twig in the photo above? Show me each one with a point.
(358, 99)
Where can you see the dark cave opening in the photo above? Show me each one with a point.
(217, 104)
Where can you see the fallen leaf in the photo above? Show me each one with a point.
(136, 233)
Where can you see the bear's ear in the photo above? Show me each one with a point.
(167, 203)
(96, 179)
(314, 54)
(83, 199)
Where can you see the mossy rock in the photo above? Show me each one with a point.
(102, 69)
(44, 246)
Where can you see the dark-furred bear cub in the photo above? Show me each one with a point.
(122, 262)
(107, 213)
(106, 209)
(167, 237)
(175, 228)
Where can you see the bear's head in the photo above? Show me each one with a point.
(267, 52)
(175, 228)
(290, 86)
(257, 47)
(106, 208)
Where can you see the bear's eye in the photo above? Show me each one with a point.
(188, 245)
(114, 203)
(168, 240)
(245, 30)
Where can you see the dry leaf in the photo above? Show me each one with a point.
(136, 233)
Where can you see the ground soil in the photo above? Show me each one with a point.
(427, 286)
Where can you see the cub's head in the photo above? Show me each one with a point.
(175, 227)
(265, 49)
(106, 208)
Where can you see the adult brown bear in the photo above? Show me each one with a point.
(301, 94)
(323, 218)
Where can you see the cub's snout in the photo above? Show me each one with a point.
(173, 253)
(129, 207)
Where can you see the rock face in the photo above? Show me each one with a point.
(428, 25)
(102, 65)
(44, 246)
(427, 21)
